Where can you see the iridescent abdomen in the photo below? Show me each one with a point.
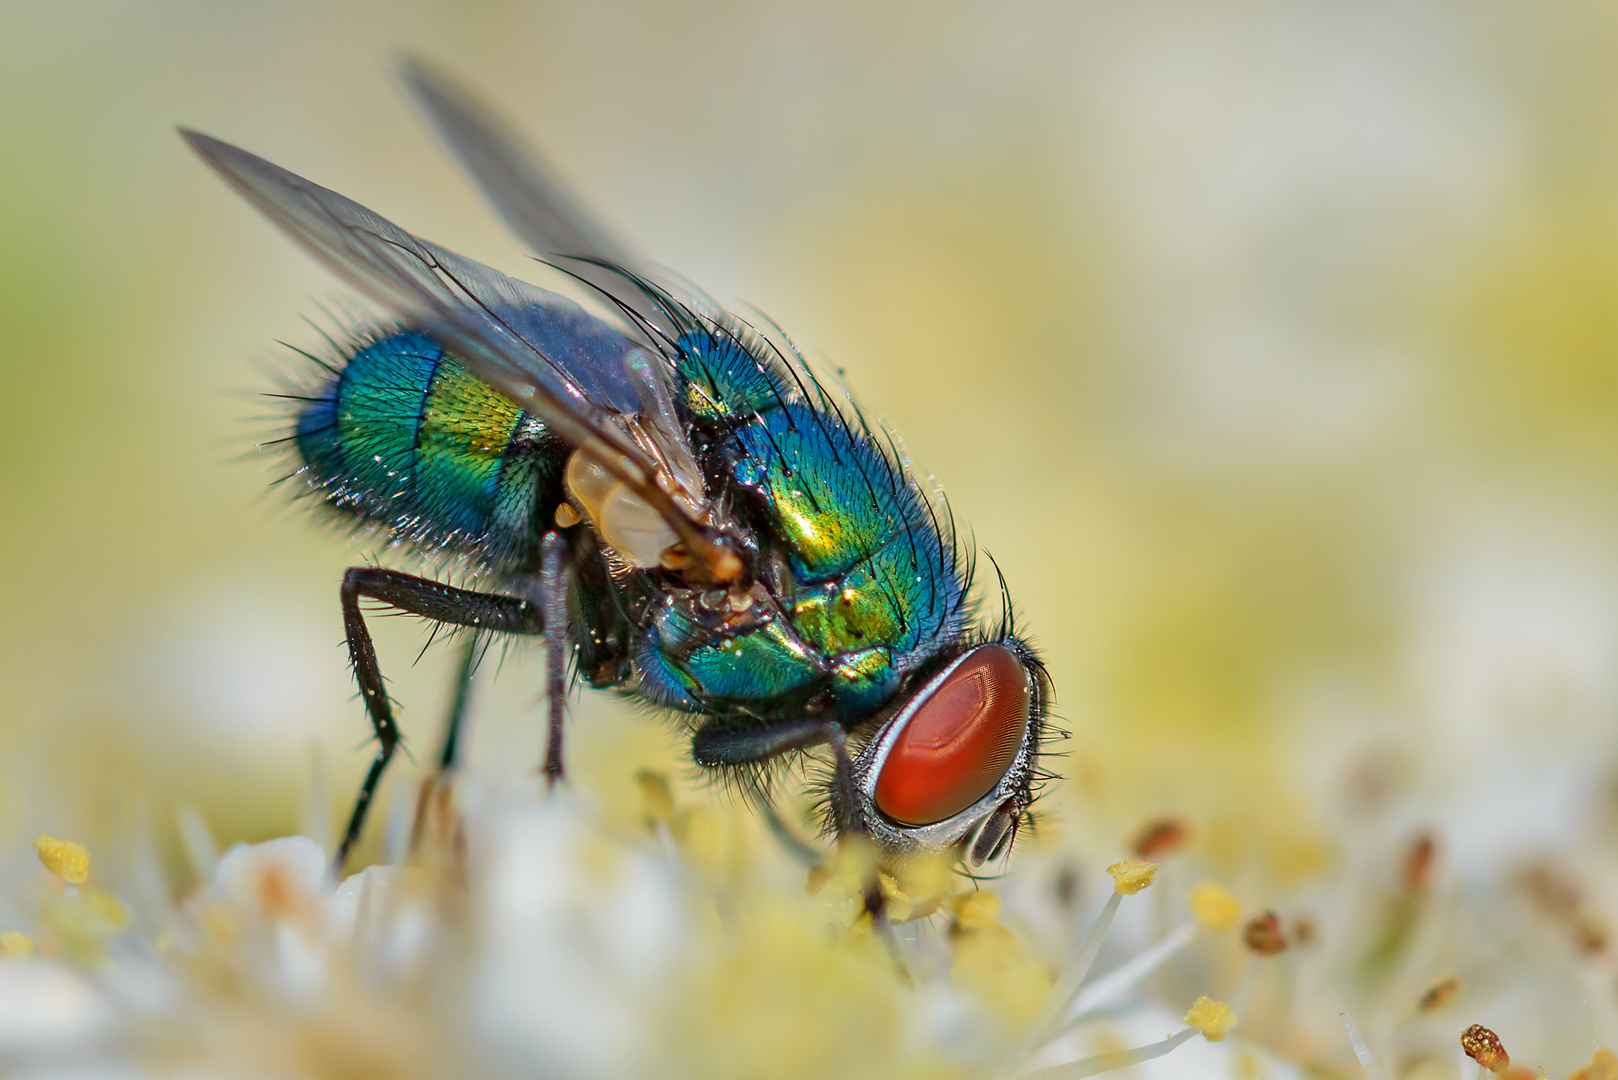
(404, 437)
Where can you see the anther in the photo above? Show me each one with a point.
(1160, 837)
(1439, 994)
(1264, 936)
(1483, 1046)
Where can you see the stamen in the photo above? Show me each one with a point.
(1115, 983)
(897, 907)
(1069, 984)
(1264, 938)
(1128, 878)
(198, 840)
(1373, 1071)
(1243, 994)
(1118, 1059)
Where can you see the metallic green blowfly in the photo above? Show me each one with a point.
(667, 495)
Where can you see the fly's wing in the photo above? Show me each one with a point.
(517, 181)
(524, 191)
(543, 351)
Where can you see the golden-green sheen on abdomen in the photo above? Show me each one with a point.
(404, 436)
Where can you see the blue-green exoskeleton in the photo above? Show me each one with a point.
(666, 495)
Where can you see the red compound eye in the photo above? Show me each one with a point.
(959, 741)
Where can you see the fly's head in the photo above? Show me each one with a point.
(953, 768)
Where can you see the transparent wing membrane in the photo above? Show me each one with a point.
(543, 351)
(517, 181)
(525, 192)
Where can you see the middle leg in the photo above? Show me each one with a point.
(553, 585)
(435, 789)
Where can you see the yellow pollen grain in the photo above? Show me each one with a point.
(1213, 907)
(16, 945)
(994, 964)
(64, 858)
(926, 876)
(899, 907)
(1131, 876)
(855, 856)
(976, 910)
(1213, 1018)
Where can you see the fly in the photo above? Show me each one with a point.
(663, 493)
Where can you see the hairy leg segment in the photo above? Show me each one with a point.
(483, 612)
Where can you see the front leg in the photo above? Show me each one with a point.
(715, 746)
(417, 596)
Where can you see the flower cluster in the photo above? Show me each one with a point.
(531, 936)
(535, 934)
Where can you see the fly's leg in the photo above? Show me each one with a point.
(448, 756)
(850, 818)
(716, 746)
(417, 596)
(747, 746)
(553, 596)
(435, 786)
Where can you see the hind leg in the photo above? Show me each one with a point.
(417, 596)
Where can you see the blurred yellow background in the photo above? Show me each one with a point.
(1270, 348)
